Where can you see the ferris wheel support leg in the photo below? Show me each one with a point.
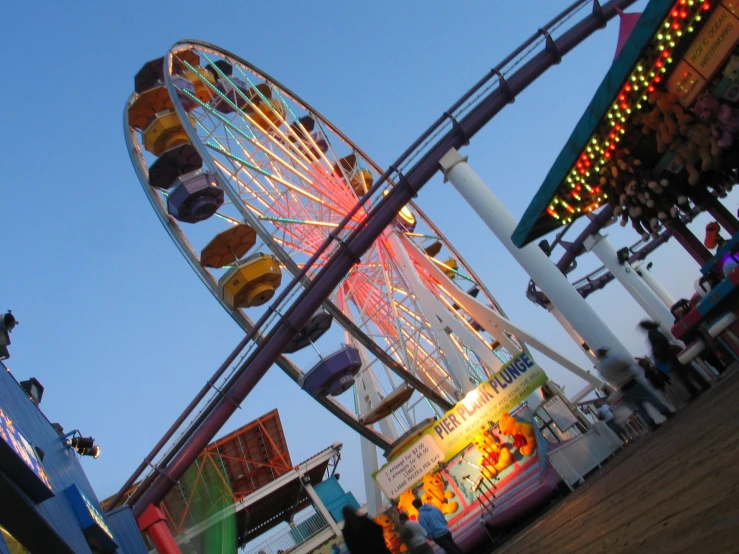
(664, 295)
(599, 245)
(540, 268)
(429, 305)
(370, 465)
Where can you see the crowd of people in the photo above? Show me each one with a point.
(663, 371)
(363, 536)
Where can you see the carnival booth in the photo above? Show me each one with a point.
(660, 141)
(484, 464)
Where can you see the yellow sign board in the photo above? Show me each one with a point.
(451, 434)
(714, 43)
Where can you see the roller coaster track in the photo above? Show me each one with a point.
(454, 129)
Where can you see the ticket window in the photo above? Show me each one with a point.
(12, 546)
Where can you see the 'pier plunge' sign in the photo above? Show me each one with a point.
(451, 434)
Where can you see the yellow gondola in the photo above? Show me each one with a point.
(252, 282)
(164, 132)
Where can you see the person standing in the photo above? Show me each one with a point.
(661, 382)
(361, 534)
(413, 535)
(620, 374)
(436, 527)
(606, 416)
(664, 354)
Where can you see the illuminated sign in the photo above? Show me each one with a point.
(94, 526)
(20, 461)
(705, 55)
(451, 434)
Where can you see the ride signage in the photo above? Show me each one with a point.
(706, 54)
(410, 466)
(451, 434)
(19, 460)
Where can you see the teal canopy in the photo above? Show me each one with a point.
(536, 222)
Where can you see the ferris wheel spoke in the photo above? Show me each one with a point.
(403, 335)
(406, 310)
(296, 236)
(252, 140)
(376, 297)
(233, 174)
(248, 167)
(313, 153)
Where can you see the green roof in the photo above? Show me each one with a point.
(536, 220)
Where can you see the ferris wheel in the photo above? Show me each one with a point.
(249, 181)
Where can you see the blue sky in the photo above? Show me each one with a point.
(115, 324)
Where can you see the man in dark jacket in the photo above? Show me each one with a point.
(664, 352)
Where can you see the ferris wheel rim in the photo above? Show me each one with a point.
(207, 159)
(438, 387)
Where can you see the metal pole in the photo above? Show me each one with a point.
(634, 285)
(534, 261)
(320, 507)
(689, 241)
(589, 352)
(153, 522)
(662, 293)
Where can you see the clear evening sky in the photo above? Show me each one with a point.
(114, 323)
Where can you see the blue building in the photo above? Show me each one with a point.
(47, 504)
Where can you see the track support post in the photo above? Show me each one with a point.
(153, 522)
(534, 261)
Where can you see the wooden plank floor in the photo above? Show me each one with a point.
(672, 491)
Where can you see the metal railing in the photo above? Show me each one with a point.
(304, 527)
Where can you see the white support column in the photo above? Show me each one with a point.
(652, 282)
(540, 268)
(634, 285)
(368, 395)
(586, 348)
(318, 505)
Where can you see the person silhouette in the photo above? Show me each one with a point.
(361, 534)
